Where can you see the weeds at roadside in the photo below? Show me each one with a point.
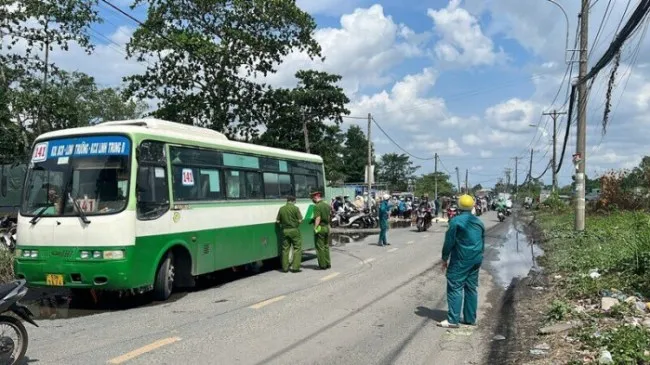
(559, 310)
(6, 266)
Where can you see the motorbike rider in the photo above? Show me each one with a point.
(426, 204)
(384, 211)
(501, 205)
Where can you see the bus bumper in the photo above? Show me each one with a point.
(78, 267)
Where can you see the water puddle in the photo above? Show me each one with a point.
(513, 254)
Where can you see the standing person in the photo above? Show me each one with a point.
(464, 245)
(289, 219)
(321, 231)
(384, 211)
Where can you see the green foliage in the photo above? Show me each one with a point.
(558, 311)
(396, 170)
(313, 101)
(6, 266)
(618, 245)
(627, 344)
(206, 53)
(355, 154)
(555, 204)
(426, 185)
(70, 100)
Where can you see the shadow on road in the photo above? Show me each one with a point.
(437, 315)
(55, 304)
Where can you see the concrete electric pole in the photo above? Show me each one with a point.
(466, 181)
(554, 115)
(581, 145)
(369, 169)
(435, 174)
(458, 181)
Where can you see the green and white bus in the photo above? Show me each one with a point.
(150, 205)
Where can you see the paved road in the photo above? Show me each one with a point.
(375, 306)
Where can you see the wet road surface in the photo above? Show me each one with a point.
(377, 305)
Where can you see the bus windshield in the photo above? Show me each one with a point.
(91, 171)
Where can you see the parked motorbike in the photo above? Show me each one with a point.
(8, 234)
(501, 216)
(12, 350)
(423, 221)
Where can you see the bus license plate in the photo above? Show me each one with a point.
(54, 279)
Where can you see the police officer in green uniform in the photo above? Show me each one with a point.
(289, 219)
(321, 230)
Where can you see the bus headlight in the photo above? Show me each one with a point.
(84, 254)
(114, 255)
(97, 254)
(30, 253)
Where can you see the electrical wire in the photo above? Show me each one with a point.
(397, 144)
(606, 15)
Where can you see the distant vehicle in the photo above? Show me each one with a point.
(148, 205)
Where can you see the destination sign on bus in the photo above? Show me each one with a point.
(83, 146)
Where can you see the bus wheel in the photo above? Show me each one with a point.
(164, 283)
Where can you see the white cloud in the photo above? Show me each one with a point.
(485, 153)
(462, 42)
(514, 115)
(366, 46)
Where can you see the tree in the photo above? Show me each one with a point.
(206, 54)
(426, 184)
(355, 155)
(315, 95)
(396, 170)
(477, 187)
(70, 100)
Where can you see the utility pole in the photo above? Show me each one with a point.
(369, 169)
(466, 181)
(39, 124)
(458, 181)
(435, 174)
(581, 145)
(530, 167)
(508, 171)
(516, 176)
(305, 132)
(554, 114)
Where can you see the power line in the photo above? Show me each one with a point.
(606, 15)
(397, 144)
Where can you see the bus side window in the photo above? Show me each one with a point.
(152, 191)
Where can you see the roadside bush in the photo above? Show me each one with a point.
(617, 194)
(626, 343)
(6, 266)
(555, 204)
(617, 245)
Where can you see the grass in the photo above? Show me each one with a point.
(6, 266)
(617, 245)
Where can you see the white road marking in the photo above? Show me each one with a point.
(330, 276)
(367, 261)
(143, 350)
(409, 242)
(393, 249)
(267, 302)
(425, 236)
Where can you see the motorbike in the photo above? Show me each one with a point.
(451, 212)
(478, 209)
(508, 211)
(8, 234)
(501, 216)
(423, 221)
(12, 351)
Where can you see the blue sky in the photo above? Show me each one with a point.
(464, 79)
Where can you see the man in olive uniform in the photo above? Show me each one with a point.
(289, 219)
(321, 231)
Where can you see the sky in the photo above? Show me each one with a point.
(468, 80)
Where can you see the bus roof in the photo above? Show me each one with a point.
(174, 132)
